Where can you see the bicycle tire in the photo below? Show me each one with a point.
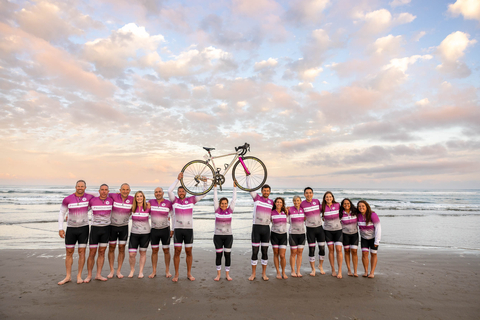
(195, 169)
(258, 174)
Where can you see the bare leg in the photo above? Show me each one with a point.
(283, 262)
(166, 255)
(347, 261)
(121, 257)
(299, 261)
(111, 260)
(227, 274)
(331, 259)
(276, 262)
(189, 259)
(355, 262)
(68, 265)
(365, 262)
(320, 267)
(374, 265)
(143, 259)
(217, 278)
(176, 262)
(81, 263)
(90, 264)
(312, 265)
(154, 262)
(293, 255)
(132, 258)
(100, 261)
(338, 249)
(264, 272)
(254, 271)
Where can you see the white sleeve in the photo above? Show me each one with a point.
(215, 198)
(61, 217)
(234, 199)
(378, 233)
(253, 193)
(171, 196)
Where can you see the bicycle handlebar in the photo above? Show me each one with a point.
(245, 148)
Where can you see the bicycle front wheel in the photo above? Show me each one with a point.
(256, 178)
(198, 177)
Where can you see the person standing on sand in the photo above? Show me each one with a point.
(296, 237)
(348, 216)
(262, 212)
(76, 206)
(223, 237)
(370, 232)
(333, 232)
(121, 211)
(140, 234)
(101, 207)
(183, 225)
(315, 233)
(160, 214)
(278, 236)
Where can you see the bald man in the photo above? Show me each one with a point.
(160, 213)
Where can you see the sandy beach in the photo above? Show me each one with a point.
(409, 284)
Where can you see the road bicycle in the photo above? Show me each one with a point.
(249, 173)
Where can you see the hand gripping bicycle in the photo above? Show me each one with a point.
(249, 173)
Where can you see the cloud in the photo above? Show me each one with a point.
(397, 3)
(255, 8)
(381, 20)
(418, 35)
(306, 11)
(265, 64)
(451, 50)
(469, 9)
(389, 45)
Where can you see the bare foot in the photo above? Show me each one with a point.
(68, 279)
(284, 276)
(355, 275)
(101, 278)
(110, 275)
(130, 275)
(350, 274)
(168, 275)
(217, 278)
(365, 275)
(79, 280)
(119, 275)
(87, 279)
(279, 276)
(334, 273)
(293, 274)
(299, 275)
(371, 275)
(264, 277)
(140, 276)
(191, 278)
(229, 278)
(312, 273)
(252, 277)
(339, 276)
(321, 269)
(175, 279)
(152, 275)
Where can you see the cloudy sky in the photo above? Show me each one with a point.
(348, 93)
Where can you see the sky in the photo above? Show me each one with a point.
(329, 94)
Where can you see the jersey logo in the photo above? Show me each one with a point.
(127, 201)
(186, 202)
(107, 202)
(163, 204)
(314, 202)
(84, 199)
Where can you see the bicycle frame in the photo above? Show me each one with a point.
(225, 170)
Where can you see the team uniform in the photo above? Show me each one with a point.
(350, 231)
(370, 232)
(262, 211)
(315, 233)
(223, 237)
(160, 213)
(332, 225)
(279, 230)
(140, 234)
(121, 212)
(77, 225)
(182, 217)
(100, 230)
(296, 237)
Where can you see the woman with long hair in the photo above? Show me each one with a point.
(140, 233)
(348, 217)
(278, 236)
(333, 231)
(296, 238)
(370, 232)
(223, 237)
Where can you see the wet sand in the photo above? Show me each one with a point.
(409, 284)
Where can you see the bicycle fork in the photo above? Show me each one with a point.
(244, 166)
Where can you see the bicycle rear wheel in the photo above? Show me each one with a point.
(198, 177)
(257, 177)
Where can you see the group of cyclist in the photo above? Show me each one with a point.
(158, 220)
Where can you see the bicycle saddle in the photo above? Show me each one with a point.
(208, 149)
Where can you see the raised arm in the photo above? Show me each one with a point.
(234, 197)
(215, 198)
(171, 195)
(253, 193)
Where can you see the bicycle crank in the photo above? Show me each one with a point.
(219, 180)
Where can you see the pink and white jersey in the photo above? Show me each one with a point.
(140, 223)
(223, 218)
(77, 209)
(101, 211)
(262, 210)
(121, 209)
(279, 222)
(296, 218)
(349, 223)
(183, 212)
(370, 230)
(312, 213)
(332, 217)
(160, 212)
